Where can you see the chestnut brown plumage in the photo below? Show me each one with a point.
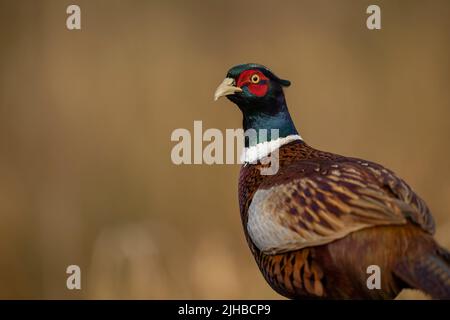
(317, 224)
(323, 195)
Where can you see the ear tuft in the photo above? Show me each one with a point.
(284, 83)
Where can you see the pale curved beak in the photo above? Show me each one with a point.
(226, 88)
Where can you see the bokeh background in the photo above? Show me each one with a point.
(86, 117)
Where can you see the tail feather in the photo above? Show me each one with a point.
(429, 272)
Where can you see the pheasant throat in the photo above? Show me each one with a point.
(255, 153)
(266, 133)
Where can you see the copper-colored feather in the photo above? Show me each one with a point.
(323, 220)
(316, 226)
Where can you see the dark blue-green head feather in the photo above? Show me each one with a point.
(259, 94)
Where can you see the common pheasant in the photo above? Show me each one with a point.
(316, 225)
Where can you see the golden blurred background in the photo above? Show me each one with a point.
(86, 116)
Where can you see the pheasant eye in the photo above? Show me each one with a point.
(254, 78)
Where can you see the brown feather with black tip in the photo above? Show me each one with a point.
(339, 215)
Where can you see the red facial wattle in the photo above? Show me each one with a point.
(258, 88)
